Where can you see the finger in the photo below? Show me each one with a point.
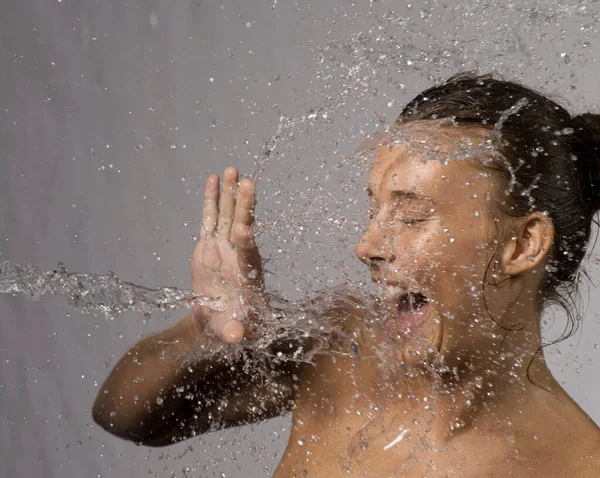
(244, 215)
(210, 207)
(227, 205)
(233, 332)
(242, 233)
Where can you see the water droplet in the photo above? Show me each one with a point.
(566, 57)
(153, 20)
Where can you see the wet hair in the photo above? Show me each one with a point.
(550, 163)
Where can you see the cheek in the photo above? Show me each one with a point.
(453, 265)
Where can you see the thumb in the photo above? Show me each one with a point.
(221, 324)
(232, 332)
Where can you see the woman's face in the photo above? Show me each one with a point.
(431, 235)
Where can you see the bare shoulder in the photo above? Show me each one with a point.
(572, 440)
(586, 453)
(589, 467)
(582, 459)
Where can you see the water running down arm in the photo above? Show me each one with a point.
(153, 398)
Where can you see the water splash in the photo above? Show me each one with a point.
(513, 110)
(95, 293)
(308, 327)
(297, 331)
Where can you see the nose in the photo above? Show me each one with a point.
(373, 247)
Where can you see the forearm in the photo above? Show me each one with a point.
(149, 384)
(154, 396)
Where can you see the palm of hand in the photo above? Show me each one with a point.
(225, 261)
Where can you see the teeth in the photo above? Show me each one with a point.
(402, 296)
(394, 291)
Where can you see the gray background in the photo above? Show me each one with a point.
(110, 122)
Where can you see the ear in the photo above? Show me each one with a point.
(528, 244)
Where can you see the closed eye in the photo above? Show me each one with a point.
(411, 220)
(414, 220)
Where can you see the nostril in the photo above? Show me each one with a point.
(374, 263)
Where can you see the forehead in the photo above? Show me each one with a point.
(427, 154)
(433, 136)
(435, 133)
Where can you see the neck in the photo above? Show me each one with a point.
(461, 392)
(486, 390)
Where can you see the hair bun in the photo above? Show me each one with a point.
(587, 149)
(590, 123)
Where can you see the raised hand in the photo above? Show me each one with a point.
(225, 261)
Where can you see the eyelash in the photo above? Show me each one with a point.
(409, 221)
(412, 220)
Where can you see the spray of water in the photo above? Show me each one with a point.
(304, 328)
(95, 293)
(303, 323)
(347, 78)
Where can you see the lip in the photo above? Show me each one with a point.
(403, 287)
(383, 280)
(387, 282)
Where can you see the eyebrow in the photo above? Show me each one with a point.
(404, 194)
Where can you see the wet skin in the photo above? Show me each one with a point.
(445, 395)
(439, 240)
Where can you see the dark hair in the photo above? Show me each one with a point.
(550, 159)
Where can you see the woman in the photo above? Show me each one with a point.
(482, 199)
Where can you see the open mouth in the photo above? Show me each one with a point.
(411, 302)
(406, 309)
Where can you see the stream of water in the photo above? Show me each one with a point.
(96, 293)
